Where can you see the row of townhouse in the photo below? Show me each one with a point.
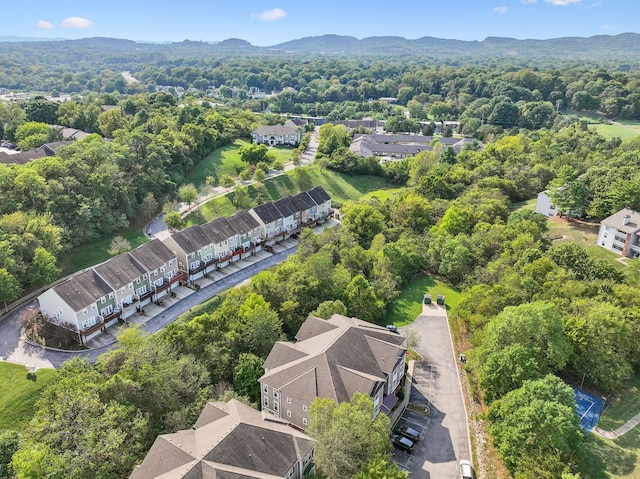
(92, 300)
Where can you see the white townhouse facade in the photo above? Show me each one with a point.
(620, 233)
(277, 135)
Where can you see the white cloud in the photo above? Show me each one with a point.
(500, 10)
(44, 25)
(528, 1)
(562, 3)
(270, 15)
(76, 22)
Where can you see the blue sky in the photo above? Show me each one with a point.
(274, 21)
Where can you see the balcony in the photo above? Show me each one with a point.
(166, 284)
(146, 295)
(92, 329)
(115, 314)
(197, 269)
(178, 277)
(635, 248)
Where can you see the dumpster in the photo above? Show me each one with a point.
(440, 299)
(427, 299)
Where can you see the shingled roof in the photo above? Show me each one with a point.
(82, 289)
(286, 206)
(120, 270)
(267, 212)
(243, 222)
(319, 195)
(333, 359)
(191, 239)
(229, 441)
(152, 255)
(303, 201)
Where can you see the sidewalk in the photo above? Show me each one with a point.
(625, 428)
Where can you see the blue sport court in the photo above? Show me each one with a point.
(589, 408)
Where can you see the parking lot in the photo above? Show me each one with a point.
(443, 429)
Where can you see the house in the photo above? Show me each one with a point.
(230, 441)
(160, 264)
(544, 206)
(129, 280)
(323, 202)
(290, 215)
(84, 303)
(334, 359)
(248, 229)
(307, 207)
(272, 135)
(397, 147)
(270, 220)
(195, 250)
(620, 233)
(224, 239)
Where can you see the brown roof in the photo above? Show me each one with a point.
(120, 270)
(231, 441)
(152, 255)
(335, 359)
(82, 289)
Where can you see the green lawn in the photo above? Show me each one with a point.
(408, 306)
(94, 253)
(621, 130)
(623, 407)
(223, 161)
(18, 394)
(340, 187)
(383, 195)
(617, 459)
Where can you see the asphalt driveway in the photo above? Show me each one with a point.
(445, 436)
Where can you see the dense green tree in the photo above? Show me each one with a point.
(246, 374)
(363, 221)
(537, 420)
(9, 444)
(328, 308)
(9, 287)
(347, 436)
(381, 468)
(254, 153)
(174, 220)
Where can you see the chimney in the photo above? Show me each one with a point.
(626, 219)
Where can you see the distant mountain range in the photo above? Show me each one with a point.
(625, 46)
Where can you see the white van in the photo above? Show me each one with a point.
(466, 471)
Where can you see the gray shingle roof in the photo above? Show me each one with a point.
(243, 222)
(191, 239)
(233, 442)
(82, 289)
(275, 130)
(286, 206)
(152, 255)
(217, 230)
(120, 270)
(319, 195)
(616, 220)
(303, 201)
(345, 356)
(267, 212)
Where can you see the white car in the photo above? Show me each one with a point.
(466, 471)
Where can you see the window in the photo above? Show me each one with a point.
(288, 413)
(103, 300)
(275, 394)
(142, 290)
(87, 323)
(162, 268)
(131, 286)
(138, 281)
(304, 407)
(93, 307)
(84, 311)
(122, 290)
(265, 388)
(155, 272)
(288, 400)
(275, 406)
(144, 276)
(304, 421)
(111, 295)
(193, 255)
(266, 402)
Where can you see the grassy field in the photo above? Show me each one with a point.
(223, 161)
(18, 394)
(617, 459)
(383, 195)
(622, 130)
(623, 407)
(582, 233)
(340, 187)
(94, 253)
(408, 306)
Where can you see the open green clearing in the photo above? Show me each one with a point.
(93, 253)
(340, 187)
(224, 160)
(621, 130)
(19, 392)
(408, 305)
(383, 195)
(582, 233)
(623, 407)
(617, 459)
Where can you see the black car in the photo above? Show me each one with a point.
(402, 442)
(409, 432)
(392, 328)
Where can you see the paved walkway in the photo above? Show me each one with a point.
(625, 428)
